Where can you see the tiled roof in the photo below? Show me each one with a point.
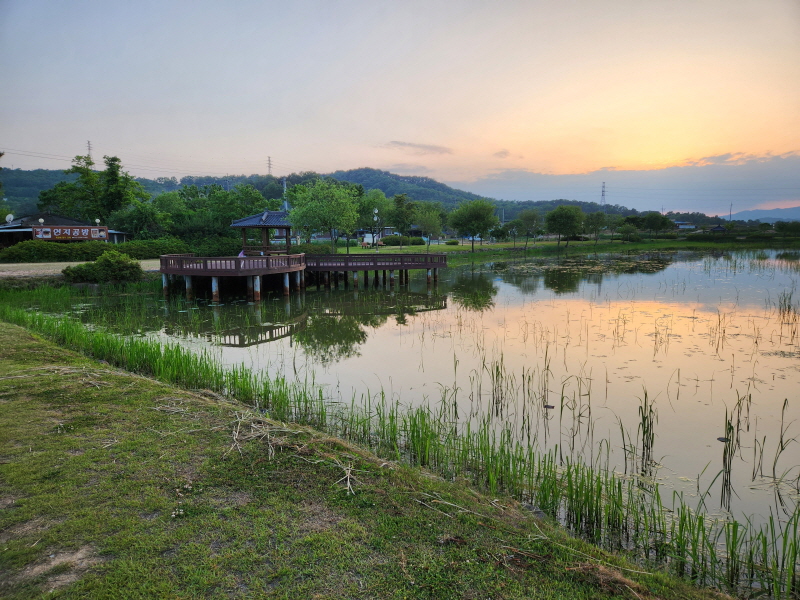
(269, 218)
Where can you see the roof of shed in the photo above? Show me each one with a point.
(269, 218)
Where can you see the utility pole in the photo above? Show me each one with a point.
(269, 165)
(89, 149)
(730, 212)
(603, 199)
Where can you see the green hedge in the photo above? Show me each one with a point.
(111, 266)
(402, 240)
(452, 242)
(44, 251)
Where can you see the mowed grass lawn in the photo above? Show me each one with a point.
(117, 486)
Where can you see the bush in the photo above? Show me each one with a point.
(44, 251)
(221, 246)
(110, 266)
(452, 242)
(402, 240)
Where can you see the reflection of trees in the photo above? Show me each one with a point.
(563, 281)
(473, 291)
(330, 338)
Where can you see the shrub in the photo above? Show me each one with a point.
(221, 246)
(110, 266)
(402, 240)
(452, 242)
(144, 249)
(44, 251)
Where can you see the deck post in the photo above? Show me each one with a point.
(297, 280)
(303, 279)
(215, 289)
(355, 280)
(189, 289)
(327, 279)
(366, 279)
(257, 289)
(429, 276)
(375, 281)
(286, 284)
(384, 278)
(165, 284)
(336, 279)
(391, 277)
(346, 280)
(435, 275)
(250, 288)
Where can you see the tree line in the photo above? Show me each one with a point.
(199, 210)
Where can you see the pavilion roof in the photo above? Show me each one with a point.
(274, 219)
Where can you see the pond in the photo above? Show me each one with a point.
(679, 369)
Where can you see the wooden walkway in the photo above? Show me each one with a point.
(233, 266)
(371, 262)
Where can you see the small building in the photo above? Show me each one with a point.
(264, 223)
(55, 228)
(718, 229)
(684, 225)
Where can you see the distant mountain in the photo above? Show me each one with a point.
(770, 216)
(418, 188)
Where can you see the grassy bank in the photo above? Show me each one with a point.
(114, 485)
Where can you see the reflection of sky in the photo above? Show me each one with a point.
(695, 336)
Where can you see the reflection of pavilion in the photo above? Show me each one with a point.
(244, 337)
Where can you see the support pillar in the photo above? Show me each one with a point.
(384, 278)
(303, 279)
(435, 275)
(297, 280)
(285, 284)
(327, 279)
(189, 289)
(165, 284)
(429, 276)
(250, 287)
(215, 289)
(391, 277)
(257, 289)
(375, 279)
(346, 279)
(355, 280)
(336, 279)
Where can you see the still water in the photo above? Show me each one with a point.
(654, 362)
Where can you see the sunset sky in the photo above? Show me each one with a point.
(693, 105)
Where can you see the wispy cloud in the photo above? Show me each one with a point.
(502, 154)
(419, 149)
(736, 158)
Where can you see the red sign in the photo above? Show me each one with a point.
(70, 233)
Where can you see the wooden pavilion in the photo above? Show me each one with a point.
(265, 222)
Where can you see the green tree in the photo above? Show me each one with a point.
(594, 223)
(626, 231)
(402, 213)
(324, 205)
(565, 221)
(531, 221)
(655, 221)
(95, 194)
(429, 220)
(142, 219)
(513, 229)
(367, 204)
(613, 223)
(474, 218)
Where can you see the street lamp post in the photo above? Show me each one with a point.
(374, 224)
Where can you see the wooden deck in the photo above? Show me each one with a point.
(374, 262)
(233, 266)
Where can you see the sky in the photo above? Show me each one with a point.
(693, 105)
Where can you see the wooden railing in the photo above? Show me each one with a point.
(369, 262)
(188, 264)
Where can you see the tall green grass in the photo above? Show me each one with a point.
(618, 512)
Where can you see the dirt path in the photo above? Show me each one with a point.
(55, 268)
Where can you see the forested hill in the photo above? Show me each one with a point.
(22, 189)
(418, 188)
